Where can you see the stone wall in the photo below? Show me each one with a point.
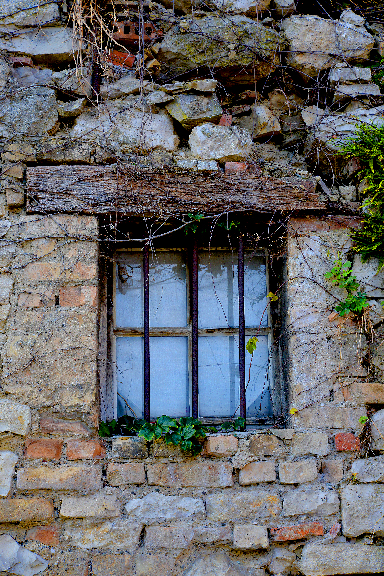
(304, 499)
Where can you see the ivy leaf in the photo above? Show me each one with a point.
(104, 430)
(252, 344)
(147, 434)
(293, 411)
(363, 419)
(239, 423)
(186, 445)
(272, 296)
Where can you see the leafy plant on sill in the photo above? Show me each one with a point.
(188, 433)
(341, 275)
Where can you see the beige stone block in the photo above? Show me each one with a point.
(112, 565)
(256, 472)
(78, 478)
(311, 501)
(247, 503)
(14, 417)
(178, 536)
(298, 472)
(156, 507)
(96, 506)
(6, 285)
(26, 510)
(4, 313)
(126, 473)
(267, 445)
(206, 534)
(129, 447)
(332, 470)
(194, 473)
(250, 537)
(7, 468)
(341, 558)
(14, 170)
(15, 198)
(120, 534)
(328, 416)
(310, 443)
(223, 445)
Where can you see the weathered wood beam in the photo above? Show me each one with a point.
(131, 191)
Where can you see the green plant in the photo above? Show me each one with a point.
(341, 275)
(188, 433)
(368, 146)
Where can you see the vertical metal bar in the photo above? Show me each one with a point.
(147, 392)
(195, 338)
(240, 272)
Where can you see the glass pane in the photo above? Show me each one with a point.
(169, 375)
(218, 290)
(219, 380)
(167, 290)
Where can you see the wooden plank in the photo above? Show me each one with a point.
(127, 190)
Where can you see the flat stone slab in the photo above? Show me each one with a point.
(339, 558)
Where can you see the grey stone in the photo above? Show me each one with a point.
(362, 509)
(311, 501)
(284, 8)
(99, 505)
(7, 469)
(6, 285)
(312, 115)
(377, 429)
(250, 537)
(27, 13)
(14, 417)
(195, 45)
(298, 472)
(119, 534)
(249, 504)
(249, 7)
(123, 87)
(158, 97)
(265, 123)
(49, 45)
(343, 74)
(71, 109)
(282, 561)
(325, 416)
(348, 91)
(74, 80)
(31, 112)
(371, 281)
(190, 164)
(310, 443)
(369, 469)
(15, 559)
(202, 85)
(28, 76)
(192, 109)
(5, 71)
(341, 558)
(348, 193)
(130, 447)
(352, 18)
(121, 126)
(216, 564)
(157, 507)
(222, 143)
(316, 43)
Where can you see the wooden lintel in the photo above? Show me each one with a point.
(132, 191)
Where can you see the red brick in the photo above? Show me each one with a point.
(48, 535)
(78, 296)
(346, 441)
(36, 299)
(66, 427)
(45, 448)
(235, 167)
(42, 271)
(80, 449)
(297, 532)
(84, 271)
(21, 61)
(125, 59)
(226, 120)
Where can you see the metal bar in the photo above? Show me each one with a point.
(146, 334)
(195, 332)
(240, 272)
(186, 331)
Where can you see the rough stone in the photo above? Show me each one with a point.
(169, 536)
(362, 509)
(346, 441)
(74, 80)
(282, 561)
(265, 123)
(206, 474)
(6, 285)
(71, 109)
(49, 45)
(122, 87)
(250, 537)
(18, 560)
(312, 115)
(120, 125)
(343, 74)
(99, 505)
(63, 427)
(112, 564)
(311, 501)
(28, 76)
(192, 110)
(332, 470)
(79, 478)
(266, 445)
(284, 8)
(369, 469)
(222, 143)
(195, 45)
(119, 534)
(341, 558)
(133, 447)
(298, 532)
(14, 417)
(326, 416)
(315, 443)
(127, 473)
(249, 504)
(44, 448)
(202, 85)
(371, 281)
(48, 535)
(316, 43)
(377, 429)
(15, 198)
(26, 510)
(256, 472)
(20, 13)
(298, 472)
(252, 8)
(216, 564)
(30, 112)
(7, 468)
(222, 445)
(348, 91)
(157, 507)
(206, 534)
(82, 449)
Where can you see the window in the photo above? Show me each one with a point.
(177, 342)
